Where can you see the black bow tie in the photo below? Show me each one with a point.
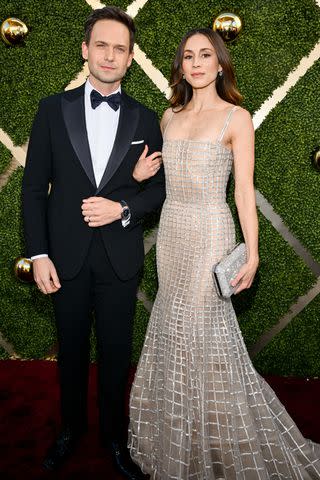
(113, 100)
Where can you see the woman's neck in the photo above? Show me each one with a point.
(204, 99)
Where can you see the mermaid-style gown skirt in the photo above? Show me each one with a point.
(198, 408)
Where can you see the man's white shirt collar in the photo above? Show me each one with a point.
(89, 87)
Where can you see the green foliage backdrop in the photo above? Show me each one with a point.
(276, 35)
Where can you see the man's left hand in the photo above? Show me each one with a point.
(98, 211)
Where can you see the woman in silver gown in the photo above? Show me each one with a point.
(198, 408)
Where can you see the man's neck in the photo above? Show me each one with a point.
(104, 88)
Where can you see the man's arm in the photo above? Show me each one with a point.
(98, 211)
(152, 195)
(35, 185)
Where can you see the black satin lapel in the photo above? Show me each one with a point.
(74, 117)
(128, 121)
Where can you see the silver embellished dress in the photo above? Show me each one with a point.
(198, 408)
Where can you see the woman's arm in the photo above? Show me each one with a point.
(148, 166)
(152, 196)
(242, 139)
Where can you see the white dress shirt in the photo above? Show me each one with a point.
(102, 124)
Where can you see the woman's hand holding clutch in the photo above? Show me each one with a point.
(147, 166)
(246, 275)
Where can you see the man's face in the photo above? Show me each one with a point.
(108, 53)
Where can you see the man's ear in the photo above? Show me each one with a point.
(130, 58)
(84, 48)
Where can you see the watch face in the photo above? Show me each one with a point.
(125, 213)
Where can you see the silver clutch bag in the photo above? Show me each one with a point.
(227, 269)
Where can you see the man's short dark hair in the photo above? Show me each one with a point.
(109, 13)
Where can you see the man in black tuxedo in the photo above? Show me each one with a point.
(90, 145)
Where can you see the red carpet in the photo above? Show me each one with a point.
(29, 418)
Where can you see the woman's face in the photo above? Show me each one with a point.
(200, 63)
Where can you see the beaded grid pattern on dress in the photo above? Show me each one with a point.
(198, 408)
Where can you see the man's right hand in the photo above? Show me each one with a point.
(45, 275)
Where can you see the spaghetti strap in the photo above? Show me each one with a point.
(169, 121)
(225, 126)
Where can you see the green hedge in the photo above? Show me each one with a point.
(139, 85)
(284, 172)
(149, 282)
(281, 278)
(5, 158)
(45, 64)
(119, 3)
(295, 350)
(275, 36)
(3, 354)
(139, 329)
(26, 318)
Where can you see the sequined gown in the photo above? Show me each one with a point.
(198, 408)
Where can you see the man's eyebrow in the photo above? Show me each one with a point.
(106, 43)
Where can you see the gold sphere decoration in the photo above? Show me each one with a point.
(316, 159)
(228, 25)
(23, 269)
(13, 31)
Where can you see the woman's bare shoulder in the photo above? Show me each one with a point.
(167, 114)
(241, 118)
(242, 113)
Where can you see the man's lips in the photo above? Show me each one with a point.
(106, 67)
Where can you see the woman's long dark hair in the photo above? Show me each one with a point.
(225, 84)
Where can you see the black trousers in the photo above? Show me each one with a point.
(96, 289)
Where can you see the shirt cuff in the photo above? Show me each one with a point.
(41, 255)
(126, 222)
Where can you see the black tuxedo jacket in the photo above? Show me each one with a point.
(59, 162)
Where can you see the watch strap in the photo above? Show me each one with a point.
(125, 220)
